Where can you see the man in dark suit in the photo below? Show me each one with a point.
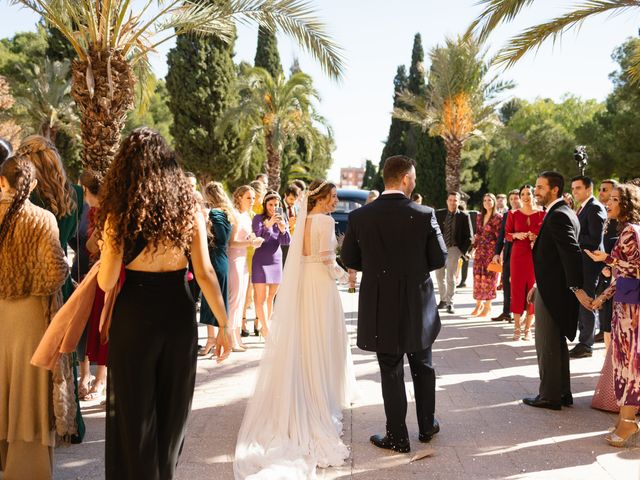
(503, 247)
(557, 262)
(604, 280)
(456, 231)
(396, 243)
(473, 219)
(592, 216)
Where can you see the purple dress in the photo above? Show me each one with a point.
(266, 266)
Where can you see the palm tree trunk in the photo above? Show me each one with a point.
(273, 163)
(453, 147)
(103, 89)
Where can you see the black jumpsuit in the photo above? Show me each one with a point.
(151, 376)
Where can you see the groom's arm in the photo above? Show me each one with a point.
(436, 248)
(350, 252)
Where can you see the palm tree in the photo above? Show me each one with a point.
(275, 110)
(497, 12)
(459, 102)
(113, 39)
(45, 99)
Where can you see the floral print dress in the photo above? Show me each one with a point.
(485, 283)
(624, 324)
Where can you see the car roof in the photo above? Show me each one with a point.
(349, 194)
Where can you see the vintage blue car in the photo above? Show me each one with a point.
(348, 201)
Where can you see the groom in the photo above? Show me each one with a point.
(396, 243)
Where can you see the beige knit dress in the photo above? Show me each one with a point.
(32, 270)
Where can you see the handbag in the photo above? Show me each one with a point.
(628, 289)
(495, 267)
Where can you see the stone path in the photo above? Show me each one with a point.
(487, 433)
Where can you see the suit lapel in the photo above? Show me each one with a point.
(544, 222)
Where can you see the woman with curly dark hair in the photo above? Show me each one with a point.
(624, 206)
(149, 224)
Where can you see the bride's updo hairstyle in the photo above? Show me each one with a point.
(318, 190)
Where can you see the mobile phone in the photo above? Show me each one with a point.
(279, 211)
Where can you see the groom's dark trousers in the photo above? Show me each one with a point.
(396, 244)
(395, 397)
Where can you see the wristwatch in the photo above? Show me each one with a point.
(574, 289)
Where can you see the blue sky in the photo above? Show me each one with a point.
(377, 36)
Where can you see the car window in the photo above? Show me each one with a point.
(346, 206)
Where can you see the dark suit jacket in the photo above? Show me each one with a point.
(502, 244)
(395, 243)
(611, 235)
(557, 261)
(463, 236)
(592, 218)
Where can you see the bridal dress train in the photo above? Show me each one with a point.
(293, 422)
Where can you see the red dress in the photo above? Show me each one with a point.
(522, 275)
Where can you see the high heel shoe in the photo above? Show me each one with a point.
(616, 440)
(527, 335)
(238, 348)
(207, 349)
(475, 311)
(486, 310)
(516, 333)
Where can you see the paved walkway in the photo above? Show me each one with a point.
(487, 433)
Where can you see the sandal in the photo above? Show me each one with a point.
(616, 440)
(84, 388)
(97, 391)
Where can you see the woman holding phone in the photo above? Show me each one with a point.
(266, 269)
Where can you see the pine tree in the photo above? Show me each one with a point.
(395, 144)
(199, 81)
(267, 55)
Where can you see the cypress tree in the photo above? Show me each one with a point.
(199, 81)
(395, 144)
(267, 55)
(416, 82)
(428, 152)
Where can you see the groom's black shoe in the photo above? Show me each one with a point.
(400, 445)
(540, 402)
(567, 400)
(426, 437)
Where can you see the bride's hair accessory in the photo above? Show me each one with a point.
(315, 191)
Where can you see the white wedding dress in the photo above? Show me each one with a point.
(293, 421)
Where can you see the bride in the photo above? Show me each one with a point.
(293, 422)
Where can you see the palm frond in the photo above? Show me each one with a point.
(296, 18)
(634, 69)
(534, 37)
(495, 13)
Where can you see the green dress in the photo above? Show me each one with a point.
(218, 252)
(68, 227)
